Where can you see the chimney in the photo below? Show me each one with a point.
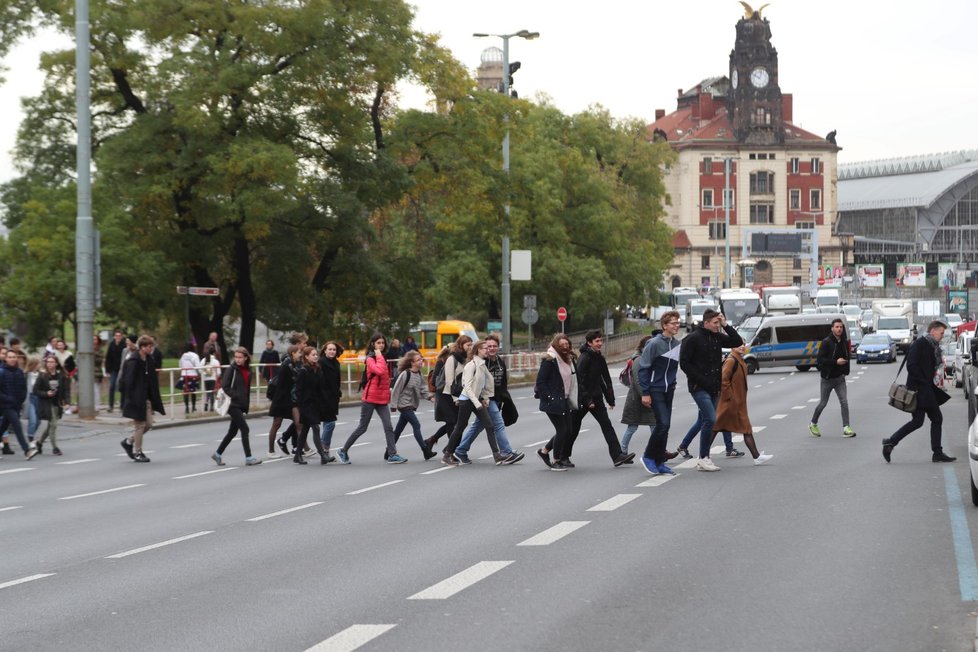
(679, 92)
(787, 105)
(707, 109)
(659, 114)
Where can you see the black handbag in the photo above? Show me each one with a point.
(900, 397)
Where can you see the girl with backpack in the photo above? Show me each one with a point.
(447, 378)
(634, 414)
(409, 388)
(310, 389)
(375, 397)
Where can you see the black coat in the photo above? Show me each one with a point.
(48, 405)
(701, 357)
(829, 351)
(233, 384)
(330, 369)
(921, 366)
(282, 401)
(114, 355)
(549, 387)
(141, 385)
(269, 357)
(593, 379)
(310, 389)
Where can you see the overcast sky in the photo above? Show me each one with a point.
(893, 77)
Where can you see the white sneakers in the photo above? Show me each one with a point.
(762, 458)
(706, 464)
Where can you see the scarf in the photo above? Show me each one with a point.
(567, 375)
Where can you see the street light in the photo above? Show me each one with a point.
(528, 35)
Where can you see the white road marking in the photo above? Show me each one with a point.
(538, 412)
(10, 509)
(23, 580)
(283, 511)
(783, 378)
(799, 407)
(770, 382)
(813, 400)
(758, 386)
(554, 533)
(688, 464)
(438, 470)
(614, 503)
(89, 459)
(864, 368)
(277, 459)
(197, 475)
(376, 486)
(656, 481)
(351, 638)
(536, 443)
(363, 443)
(460, 581)
(584, 430)
(154, 546)
(190, 445)
(759, 428)
(16, 471)
(718, 449)
(779, 416)
(343, 423)
(104, 491)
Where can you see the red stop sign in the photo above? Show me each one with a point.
(821, 281)
(561, 314)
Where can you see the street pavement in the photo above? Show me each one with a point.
(826, 548)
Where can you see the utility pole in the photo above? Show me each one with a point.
(84, 224)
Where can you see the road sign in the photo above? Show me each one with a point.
(181, 289)
(204, 292)
(529, 301)
(530, 316)
(561, 314)
(494, 326)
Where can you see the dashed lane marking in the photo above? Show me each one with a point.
(656, 481)
(438, 470)
(536, 443)
(16, 471)
(614, 503)
(88, 459)
(778, 416)
(688, 464)
(351, 638)
(460, 581)
(191, 445)
(104, 491)
(376, 486)
(197, 475)
(799, 407)
(813, 400)
(10, 509)
(24, 580)
(770, 382)
(283, 511)
(758, 386)
(154, 546)
(555, 533)
(759, 428)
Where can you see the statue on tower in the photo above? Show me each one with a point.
(750, 13)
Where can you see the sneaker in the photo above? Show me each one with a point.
(706, 464)
(813, 428)
(848, 432)
(650, 465)
(329, 458)
(461, 458)
(939, 456)
(56, 451)
(32, 453)
(127, 446)
(558, 465)
(274, 455)
(396, 459)
(762, 458)
(666, 470)
(449, 459)
(887, 449)
(40, 448)
(671, 456)
(252, 461)
(499, 458)
(624, 458)
(140, 457)
(283, 446)
(344, 458)
(7, 450)
(514, 457)
(566, 463)
(733, 452)
(217, 459)
(545, 456)
(684, 453)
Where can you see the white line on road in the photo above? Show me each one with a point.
(783, 378)
(688, 464)
(363, 443)
(656, 481)
(864, 368)
(584, 430)
(536, 443)
(799, 407)
(614, 503)
(24, 580)
(10, 509)
(190, 445)
(16, 471)
(813, 400)
(376, 486)
(491, 455)
(351, 638)
(770, 382)
(104, 491)
(554, 533)
(759, 428)
(283, 511)
(778, 416)
(88, 459)
(449, 587)
(439, 470)
(154, 546)
(196, 475)
(758, 386)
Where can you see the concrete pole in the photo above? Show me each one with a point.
(506, 344)
(726, 220)
(84, 224)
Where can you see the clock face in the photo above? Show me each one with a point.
(759, 77)
(734, 78)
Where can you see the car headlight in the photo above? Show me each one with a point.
(861, 351)
(906, 340)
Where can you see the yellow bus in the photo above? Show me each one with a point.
(430, 336)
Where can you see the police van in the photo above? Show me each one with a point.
(790, 340)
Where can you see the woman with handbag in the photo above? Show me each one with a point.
(556, 387)
(236, 384)
(451, 361)
(923, 368)
(310, 390)
(477, 389)
(732, 406)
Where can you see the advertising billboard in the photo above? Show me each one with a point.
(949, 276)
(830, 276)
(870, 276)
(957, 301)
(911, 275)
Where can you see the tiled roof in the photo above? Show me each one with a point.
(681, 241)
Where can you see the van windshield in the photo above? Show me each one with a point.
(827, 300)
(736, 310)
(892, 323)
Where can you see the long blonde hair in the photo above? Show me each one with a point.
(407, 361)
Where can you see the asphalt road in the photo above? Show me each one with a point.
(826, 548)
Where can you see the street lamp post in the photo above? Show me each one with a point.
(727, 162)
(505, 299)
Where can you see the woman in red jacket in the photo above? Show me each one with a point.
(376, 397)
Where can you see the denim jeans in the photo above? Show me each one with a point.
(662, 407)
(32, 415)
(695, 429)
(327, 436)
(11, 417)
(409, 417)
(366, 412)
(626, 437)
(476, 427)
(707, 404)
(113, 382)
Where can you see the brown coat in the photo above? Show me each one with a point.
(732, 407)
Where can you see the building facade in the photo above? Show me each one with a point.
(735, 139)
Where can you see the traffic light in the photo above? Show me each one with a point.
(513, 67)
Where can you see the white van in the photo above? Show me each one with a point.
(694, 312)
(790, 340)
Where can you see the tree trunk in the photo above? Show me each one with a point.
(246, 291)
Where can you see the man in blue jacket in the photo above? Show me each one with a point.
(657, 370)
(13, 393)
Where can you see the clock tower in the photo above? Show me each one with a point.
(754, 99)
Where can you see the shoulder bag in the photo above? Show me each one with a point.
(900, 397)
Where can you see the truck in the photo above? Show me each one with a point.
(781, 299)
(827, 300)
(895, 318)
(678, 300)
(694, 312)
(737, 304)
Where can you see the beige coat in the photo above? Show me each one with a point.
(732, 407)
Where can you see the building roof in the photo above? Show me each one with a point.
(683, 130)
(890, 187)
(680, 240)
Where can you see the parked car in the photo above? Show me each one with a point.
(972, 438)
(866, 321)
(948, 349)
(962, 357)
(876, 347)
(856, 336)
(953, 320)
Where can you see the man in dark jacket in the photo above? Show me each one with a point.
(594, 387)
(269, 361)
(13, 393)
(922, 364)
(141, 395)
(701, 359)
(833, 365)
(113, 363)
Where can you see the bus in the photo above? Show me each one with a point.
(430, 336)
